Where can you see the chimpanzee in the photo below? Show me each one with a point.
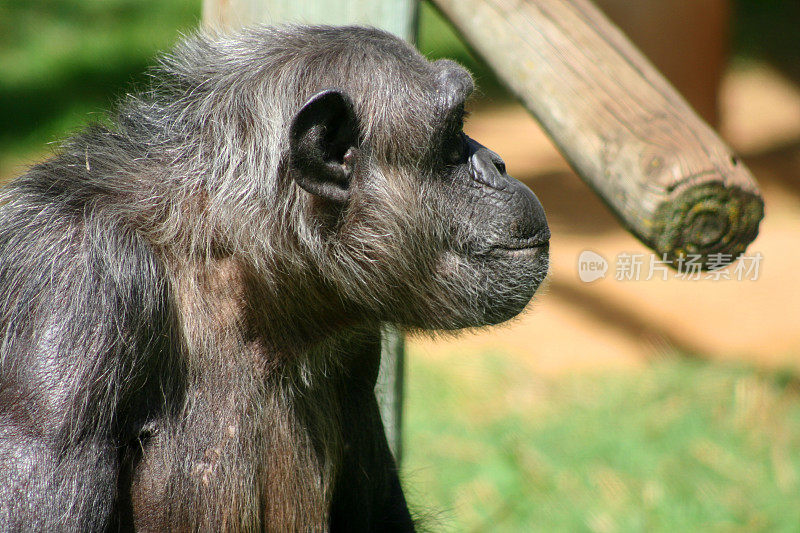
(191, 293)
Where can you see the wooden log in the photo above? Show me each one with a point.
(686, 40)
(395, 16)
(629, 135)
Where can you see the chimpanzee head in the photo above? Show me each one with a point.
(409, 217)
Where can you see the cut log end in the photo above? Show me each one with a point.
(709, 220)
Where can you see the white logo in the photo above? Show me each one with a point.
(591, 266)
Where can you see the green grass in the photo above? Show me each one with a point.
(679, 446)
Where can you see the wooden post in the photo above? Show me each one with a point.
(629, 135)
(395, 16)
(398, 17)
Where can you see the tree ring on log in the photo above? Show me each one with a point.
(706, 219)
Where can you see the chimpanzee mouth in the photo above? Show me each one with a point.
(532, 252)
(517, 247)
(538, 242)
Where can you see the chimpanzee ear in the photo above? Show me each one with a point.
(323, 139)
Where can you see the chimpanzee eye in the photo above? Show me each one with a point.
(456, 148)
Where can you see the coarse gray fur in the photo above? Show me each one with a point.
(189, 339)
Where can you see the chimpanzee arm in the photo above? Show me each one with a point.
(81, 320)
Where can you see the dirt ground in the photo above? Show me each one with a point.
(608, 323)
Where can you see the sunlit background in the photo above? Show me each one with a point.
(615, 405)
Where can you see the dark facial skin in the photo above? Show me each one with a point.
(507, 228)
(511, 217)
(510, 235)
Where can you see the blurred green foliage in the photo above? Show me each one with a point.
(769, 30)
(64, 61)
(677, 446)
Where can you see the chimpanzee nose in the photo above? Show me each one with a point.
(489, 156)
(523, 219)
(488, 167)
(496, 160)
